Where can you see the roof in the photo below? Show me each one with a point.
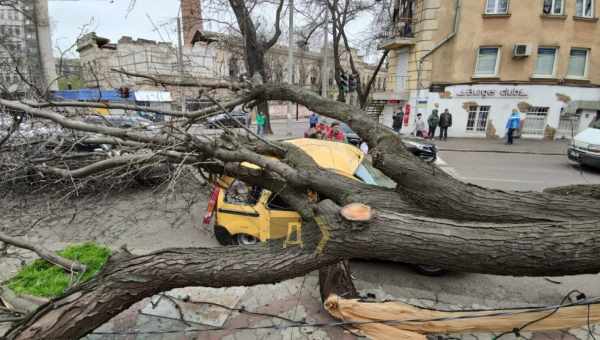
(153, 96)
(89, 95)
(574, 105)
(336, 156)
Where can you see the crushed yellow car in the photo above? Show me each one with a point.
(246, 215)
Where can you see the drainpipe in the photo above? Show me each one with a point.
(435, 47)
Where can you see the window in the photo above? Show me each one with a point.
(585, 8)
(553, 7)
(277, 203)
(546, 62)
(535, 120)
(487, 61)
(478, 116)
(496, 7)
(578, 63)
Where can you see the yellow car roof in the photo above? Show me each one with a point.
(336, 156)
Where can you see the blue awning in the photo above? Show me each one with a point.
(90, 95)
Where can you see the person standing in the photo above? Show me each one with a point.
(433, 121)
(336, 134)
(248, 119)
(513, 123)
(397, 119)
(420, 126)
(313, 120)
(445, 123)
(261, 121)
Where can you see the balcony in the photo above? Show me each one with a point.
(397, 36)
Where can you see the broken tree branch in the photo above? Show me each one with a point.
(44, 253)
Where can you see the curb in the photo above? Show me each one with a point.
(506, 152)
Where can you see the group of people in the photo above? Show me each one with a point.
(435, 120)
(319, 130)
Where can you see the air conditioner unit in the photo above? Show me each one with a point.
(521, 50)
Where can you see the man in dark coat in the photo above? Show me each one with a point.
(397, 119)
(445, 123)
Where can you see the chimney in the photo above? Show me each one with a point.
(191, 13)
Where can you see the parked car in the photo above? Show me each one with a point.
(235, 119)
(248, 214)
(120, 121)
(420, 148)
(585, 147)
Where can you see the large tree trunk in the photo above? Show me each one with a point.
(431, 218)
(254, 53)
(431, 189)
(534, 249)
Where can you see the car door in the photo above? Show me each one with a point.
(282, 218)
(240, 216)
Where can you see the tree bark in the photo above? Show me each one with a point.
(427, 186)
(535, 249)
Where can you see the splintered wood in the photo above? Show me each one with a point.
(472, 322)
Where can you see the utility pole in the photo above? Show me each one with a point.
(180, 63)
(290, 65)
(324, 71)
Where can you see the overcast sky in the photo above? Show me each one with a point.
(113, 19)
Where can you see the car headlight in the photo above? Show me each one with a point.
(594, 148)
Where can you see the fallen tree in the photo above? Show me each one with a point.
(429, 218)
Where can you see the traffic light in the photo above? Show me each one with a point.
(344, 82)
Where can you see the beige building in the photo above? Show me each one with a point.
(483, 58)
(211, 57)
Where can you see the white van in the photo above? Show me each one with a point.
(585, 148)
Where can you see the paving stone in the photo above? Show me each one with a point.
(204, 314)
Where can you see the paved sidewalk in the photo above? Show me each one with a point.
(523, 146)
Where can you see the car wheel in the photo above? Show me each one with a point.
(245, 239)
(430, 270)
(222, 236)
(428, 158)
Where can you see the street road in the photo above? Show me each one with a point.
(521, 172)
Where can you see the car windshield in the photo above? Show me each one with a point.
(370, 175)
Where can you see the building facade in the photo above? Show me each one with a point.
(483, 58)
(25, 48)
(211, 57)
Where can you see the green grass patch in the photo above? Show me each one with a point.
(41, 278)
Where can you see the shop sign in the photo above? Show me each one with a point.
(498, 93)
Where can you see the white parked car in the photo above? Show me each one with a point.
(585, 148)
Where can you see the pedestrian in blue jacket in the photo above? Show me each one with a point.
(513, 123)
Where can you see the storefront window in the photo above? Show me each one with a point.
(478, 116)
(535, 120)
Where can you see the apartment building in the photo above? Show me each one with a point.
(482, 58)
(25, 47)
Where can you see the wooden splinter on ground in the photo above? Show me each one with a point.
(352, 310)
